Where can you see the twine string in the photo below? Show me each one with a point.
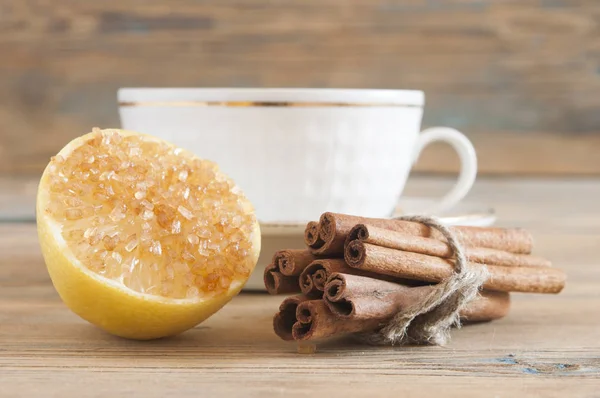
(430, 321)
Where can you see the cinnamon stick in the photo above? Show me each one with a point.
(334, 229)
(433, 247)
(311, 235)
(285, 319)
(358, 298)
(313, 278)
(277, 283)
(315, 320)
(292, 262)
(401, 264)
(489, 305)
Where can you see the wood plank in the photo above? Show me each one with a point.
(46, 343)
(17, 198)
(519, 77)
(76, 383)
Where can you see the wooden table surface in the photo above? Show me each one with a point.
(547, 346)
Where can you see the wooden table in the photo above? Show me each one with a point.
(547, 346)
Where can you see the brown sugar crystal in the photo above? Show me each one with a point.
(151, 216)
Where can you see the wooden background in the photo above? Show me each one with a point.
(520, 77)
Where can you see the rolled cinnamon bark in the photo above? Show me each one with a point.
(277, 283)
(334, 229)
(401, 264)
(433, 247)
(358, 298)
(285, 319)
(316, 321)
(313, 278)
(307, 285)
(489, 305)
(311, 235)
(292, 262)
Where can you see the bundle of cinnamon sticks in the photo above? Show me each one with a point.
(357, 273)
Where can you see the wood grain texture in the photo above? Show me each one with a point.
(547, 346)
(520, 77)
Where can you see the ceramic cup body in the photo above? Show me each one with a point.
(295, 152)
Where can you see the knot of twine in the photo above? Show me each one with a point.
(429, 321)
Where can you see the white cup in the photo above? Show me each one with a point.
(297, 153)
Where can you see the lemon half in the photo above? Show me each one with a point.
(142, 238)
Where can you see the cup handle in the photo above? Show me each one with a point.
(468, 163)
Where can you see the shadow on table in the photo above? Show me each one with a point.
(202, 342)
